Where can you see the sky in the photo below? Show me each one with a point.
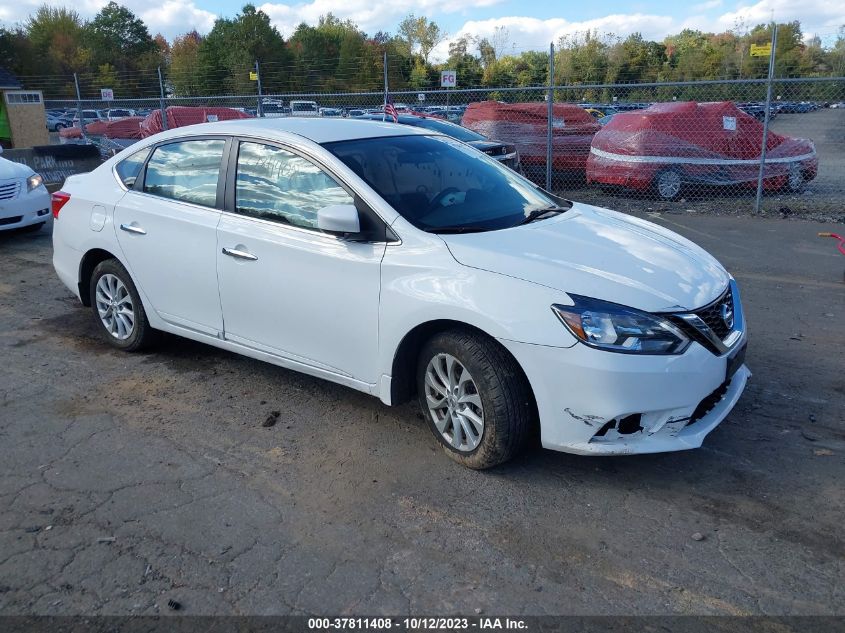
(529, 24)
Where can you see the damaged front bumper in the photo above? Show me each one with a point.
(598, 403)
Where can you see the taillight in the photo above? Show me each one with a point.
(57, 201)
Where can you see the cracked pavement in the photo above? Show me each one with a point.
(130, 480)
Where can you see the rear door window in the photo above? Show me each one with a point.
(187, 171)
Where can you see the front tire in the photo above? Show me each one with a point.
(475, 397)
(667, 184)
(117, 308)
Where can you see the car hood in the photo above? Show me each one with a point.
(11, 170)
(601, 254)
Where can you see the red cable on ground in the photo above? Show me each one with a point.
(841, 245)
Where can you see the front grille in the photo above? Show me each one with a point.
(9, 190)
(13, 220)
(712, 314)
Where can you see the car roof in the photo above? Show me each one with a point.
(315, 129)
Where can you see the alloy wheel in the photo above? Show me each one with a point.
(669, 184)
(454, 402)
(115, 307)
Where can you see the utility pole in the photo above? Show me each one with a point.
(766, 119)
(550, 105)
(260, 109)
(79, 108)
(161, 105)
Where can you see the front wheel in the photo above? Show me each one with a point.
(668, 184)
(117, 308)
(795, 179)
(475, 397)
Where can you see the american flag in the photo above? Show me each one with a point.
(390, 109)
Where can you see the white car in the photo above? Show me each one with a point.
(399, 261)
(24, 200)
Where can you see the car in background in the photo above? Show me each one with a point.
(355, 112)
(797, 107)
(24, 200)
(402, 263)
(330, 112)
(88, 116)
(505, 153)
(58, 121)
(274, 110)
(116, 114)
(758, 110)
(304, 108)
(607, 118)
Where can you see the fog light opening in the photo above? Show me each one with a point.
(630, 424)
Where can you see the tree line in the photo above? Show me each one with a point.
(115, 49)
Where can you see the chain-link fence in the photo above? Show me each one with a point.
(690, 146)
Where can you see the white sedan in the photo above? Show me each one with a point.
(24, 200)
(402, 262)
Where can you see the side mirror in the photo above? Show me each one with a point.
(339, 219)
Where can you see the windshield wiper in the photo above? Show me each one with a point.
(536, 214)
(458, 229)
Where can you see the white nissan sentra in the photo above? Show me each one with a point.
(401, 262)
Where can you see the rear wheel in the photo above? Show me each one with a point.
(668, 184)
(117, 308)
(475, 397)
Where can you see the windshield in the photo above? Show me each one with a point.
(449, 129)
(438, 183)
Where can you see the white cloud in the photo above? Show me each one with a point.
(174, 17)
(535, 34)
(822, 17)
(369, 15)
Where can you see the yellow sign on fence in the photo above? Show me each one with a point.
(761, 50)
(253, 76)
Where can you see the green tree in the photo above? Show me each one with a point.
(422, 33)
(184, 73)
(228, 54)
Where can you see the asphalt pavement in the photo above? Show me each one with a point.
(127, 481)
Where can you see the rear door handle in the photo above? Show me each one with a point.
(233, 252)
(131, 228)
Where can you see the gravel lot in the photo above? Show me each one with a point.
(130, 480)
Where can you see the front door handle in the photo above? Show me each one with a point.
(131, 228)
(233, 252)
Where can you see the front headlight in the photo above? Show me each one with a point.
(33, 182)
(616, 328)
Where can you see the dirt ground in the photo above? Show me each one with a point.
(130, 480)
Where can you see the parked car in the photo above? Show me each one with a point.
(526, 126)
(304, 108)
(88, 116)
(275, 110)
(24, 201)
(505, 153)
(115, 114)
(670, 146)
(412, 264)
(58, 121)
(355, 112)
(330, 112)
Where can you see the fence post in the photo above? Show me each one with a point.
(758, 201)
(161, 101)
(384, 108)
(550, 105)
(260, 110)
(79, 108)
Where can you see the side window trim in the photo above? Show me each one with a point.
(222, 174)
(385, 234)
